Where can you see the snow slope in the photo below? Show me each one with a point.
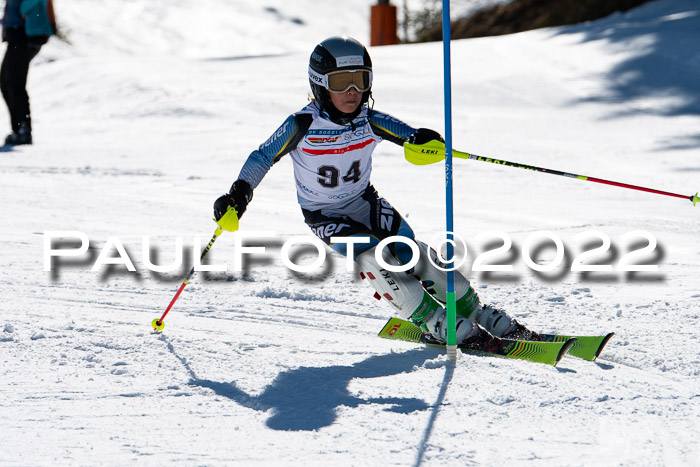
(147, 118)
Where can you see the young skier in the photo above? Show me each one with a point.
(331, 141)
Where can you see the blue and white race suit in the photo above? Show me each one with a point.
(332, 168)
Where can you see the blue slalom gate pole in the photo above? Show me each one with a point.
(449, 222)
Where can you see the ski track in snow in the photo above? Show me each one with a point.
(270, 367)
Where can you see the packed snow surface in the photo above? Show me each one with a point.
(147, 116)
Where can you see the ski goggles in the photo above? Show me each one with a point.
(341, 81)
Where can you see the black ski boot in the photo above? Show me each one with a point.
(23, 135)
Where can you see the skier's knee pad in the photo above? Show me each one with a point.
(400, 289)
(435, 279)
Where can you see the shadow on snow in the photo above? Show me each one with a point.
(306, 398)
(663, 37)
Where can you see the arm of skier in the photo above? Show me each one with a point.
(256, 167)
(398, 132)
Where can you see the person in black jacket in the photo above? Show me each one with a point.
(23, 43)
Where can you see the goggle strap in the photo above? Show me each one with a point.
(318, 78)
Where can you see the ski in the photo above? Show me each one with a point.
(540, 352)
(585, 347)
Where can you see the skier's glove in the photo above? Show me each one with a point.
(423, 135)
(240, 195)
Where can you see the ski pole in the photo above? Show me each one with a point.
(434, 151)
(229, 222)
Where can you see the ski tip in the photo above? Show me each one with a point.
(564, 349)
(603, 344)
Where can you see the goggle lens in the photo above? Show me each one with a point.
(341, 81)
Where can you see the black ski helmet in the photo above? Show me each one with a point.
(334, 54)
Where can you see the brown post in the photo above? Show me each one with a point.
(383, 24)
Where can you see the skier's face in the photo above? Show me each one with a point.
(348, 101)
